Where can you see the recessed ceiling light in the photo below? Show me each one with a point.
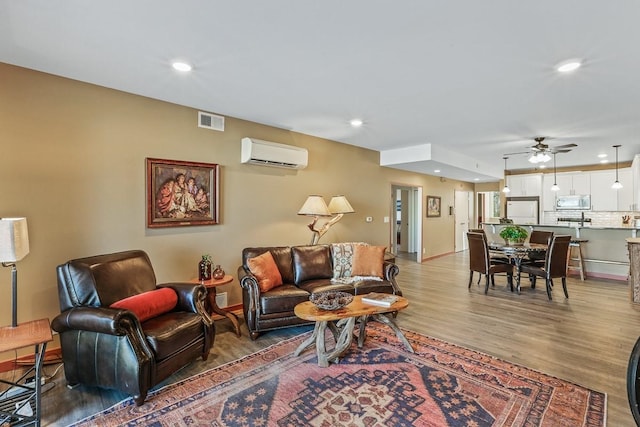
(602, 156)
(437, 171)
(603, 161)
(356, 123)
(181, 66)
(569, 65)
(476, 179)
(543, 166)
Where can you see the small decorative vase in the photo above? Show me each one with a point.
(218, 272)
(204, 268)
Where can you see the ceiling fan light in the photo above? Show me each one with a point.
(543, 157)
(533, 158)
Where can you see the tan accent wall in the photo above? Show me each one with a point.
(488, 186)
(73, 163)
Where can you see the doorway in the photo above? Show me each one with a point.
(406, 222)
(463, 217)
(488, 207)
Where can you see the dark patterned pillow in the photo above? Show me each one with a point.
(342, 256)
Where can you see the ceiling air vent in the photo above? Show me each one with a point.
(210, 121)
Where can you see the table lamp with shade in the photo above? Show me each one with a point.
(14, 245)
(316, 207)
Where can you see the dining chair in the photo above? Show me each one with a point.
(555, 265)
(497, 257)
(481, 262)
(538, 236)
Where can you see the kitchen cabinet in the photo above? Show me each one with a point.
(598, 185)
(548, 196)
(572, 184)
(529, 185)
(603, 197)
(625, 194)
(635, 172)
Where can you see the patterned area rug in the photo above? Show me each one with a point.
(379, 385)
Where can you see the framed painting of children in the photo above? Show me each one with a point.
(182, 193)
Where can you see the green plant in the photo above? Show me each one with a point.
(514, 233)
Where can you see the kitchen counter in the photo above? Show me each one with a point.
(631, 229)
(605, 253)
(574, 229)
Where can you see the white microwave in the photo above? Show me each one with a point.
(581, 202)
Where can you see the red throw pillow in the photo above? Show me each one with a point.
(149, 304)
(368, 260)
(266, 271)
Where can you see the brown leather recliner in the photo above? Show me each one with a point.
(110, 347)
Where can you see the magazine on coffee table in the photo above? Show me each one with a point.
(377, 298)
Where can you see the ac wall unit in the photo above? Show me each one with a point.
(268, 153)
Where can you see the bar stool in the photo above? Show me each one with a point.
(579, 264)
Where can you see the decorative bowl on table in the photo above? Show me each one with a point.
(331, 300)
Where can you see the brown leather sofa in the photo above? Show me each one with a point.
(305, 270)
(109, 347)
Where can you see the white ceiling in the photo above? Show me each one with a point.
(464, 80)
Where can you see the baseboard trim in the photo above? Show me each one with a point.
(592, 275)
(437, 256)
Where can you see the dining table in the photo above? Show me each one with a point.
(516, 253)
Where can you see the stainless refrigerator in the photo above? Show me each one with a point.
(523, 210)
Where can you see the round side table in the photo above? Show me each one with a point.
(211, 285)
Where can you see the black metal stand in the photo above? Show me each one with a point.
(16, 402)
(14, 292)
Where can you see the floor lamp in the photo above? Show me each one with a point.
(14, 245)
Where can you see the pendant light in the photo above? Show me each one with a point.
(506, 188)
(616, 185)
(555, 186)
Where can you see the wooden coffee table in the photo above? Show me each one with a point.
(345, 320)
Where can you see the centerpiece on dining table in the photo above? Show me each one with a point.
(514, 235)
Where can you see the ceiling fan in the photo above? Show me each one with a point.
(540, 152)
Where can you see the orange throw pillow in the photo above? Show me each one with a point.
(149, 304)
(266, 271)
(368, 260)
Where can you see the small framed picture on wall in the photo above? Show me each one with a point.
(434, 207)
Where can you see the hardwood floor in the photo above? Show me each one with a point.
(586, 339)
